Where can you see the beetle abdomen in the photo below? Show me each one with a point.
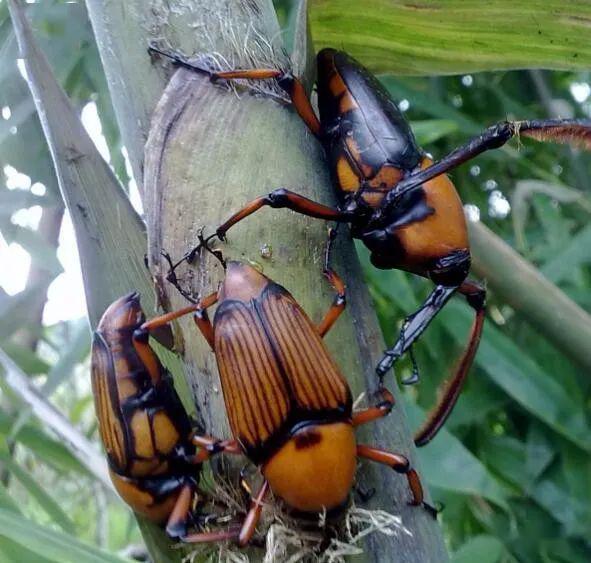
(434, 235)
(314, 470)
(155, 507)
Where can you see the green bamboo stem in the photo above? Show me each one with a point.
(522, 286)
(208, 153)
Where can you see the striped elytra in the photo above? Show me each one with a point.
(142, 424)
(275, 370)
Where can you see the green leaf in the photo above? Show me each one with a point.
(521, 378)
(448, 464)
(476, 403)
(540, 450)
(41, 251)
(15, 310)
(520, 199)
(482, 548)
(430, 104)
(12, 552)
(76, 351)
(44, 447)
(13, 200)
(430, 130)
(46, 502)
(563, 551)
(6, 501)
(28, 361)
(430, 37)
(51, 544)
(576, 252)
(573, 512)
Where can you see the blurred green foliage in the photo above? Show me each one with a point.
(513, 467)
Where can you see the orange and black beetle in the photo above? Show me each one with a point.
(399, 203)
(288, 405)
(148, 437)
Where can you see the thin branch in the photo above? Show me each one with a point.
(521, 285)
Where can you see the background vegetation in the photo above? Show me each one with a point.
(513, 468)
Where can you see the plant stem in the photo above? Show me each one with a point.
(208, 153)
(522, 286)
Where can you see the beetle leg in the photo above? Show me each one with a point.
(288, 83)
(475, 294)
(156, 322)
(282, 198)
(400, 464)
(210, 537)
(573, 131)
(414, 326)
(211, 446)
(382, 409)
(332, 235)
(142, 346)
(338, 305)
(176, 526)
(252, 518)
(201, 317)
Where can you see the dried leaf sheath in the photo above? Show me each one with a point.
(274, 368)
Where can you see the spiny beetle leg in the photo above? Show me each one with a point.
(176, 526)
(401, 465)
(382, 409)
(172, 277)
(289, 83)
(338, 305)
(210, 537)
(202, 320)
(332, 235)
(282, 198)
(414, 375)
(179, 60)
(211, 446)
(451, 389)
(414, 327)
(572, 131)
(254, 514)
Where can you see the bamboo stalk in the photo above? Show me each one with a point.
(522, 286)
(208, 153)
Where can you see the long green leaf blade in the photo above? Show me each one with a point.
(427, 37)
(522, 379)
(51, 544)
(49, 505)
